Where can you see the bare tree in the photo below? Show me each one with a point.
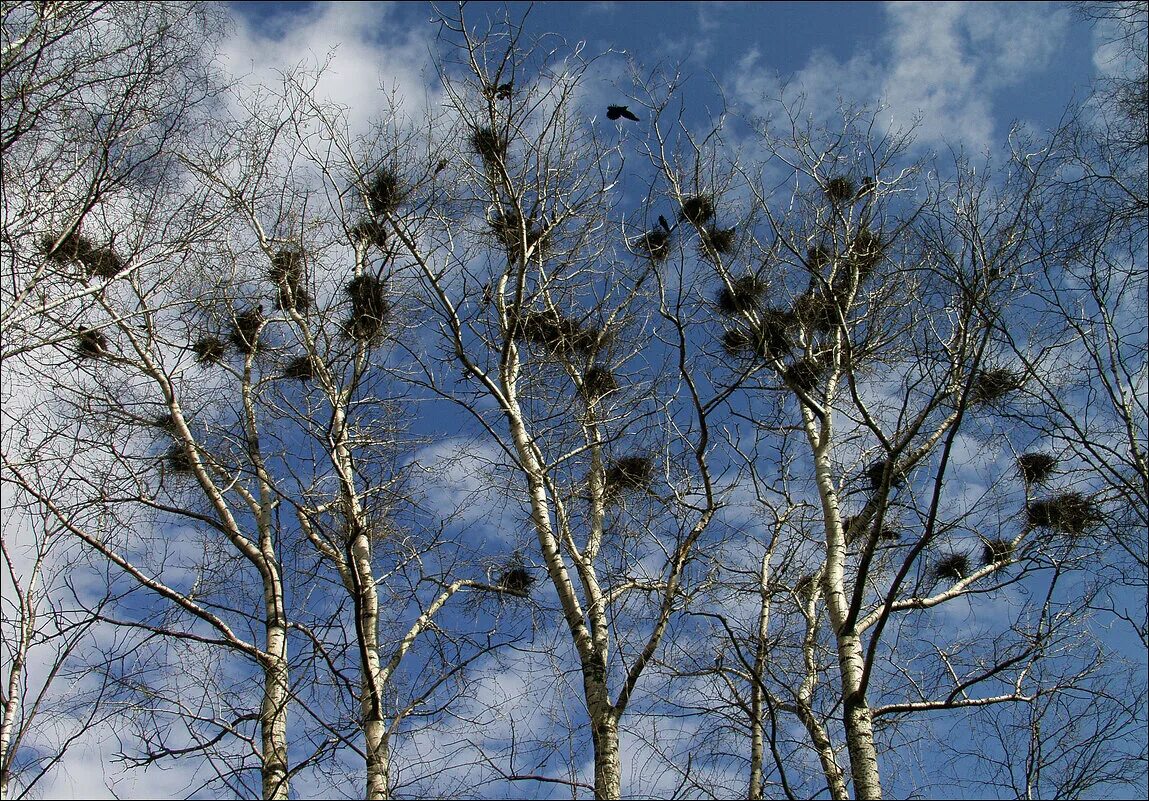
(874, 320)
(96, 98)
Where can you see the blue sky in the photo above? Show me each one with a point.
(969, 70)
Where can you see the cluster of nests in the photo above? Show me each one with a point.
(383, 194)
(699, 211)
(769, 332)
(96, 261)
(565, 336)
(370, 312)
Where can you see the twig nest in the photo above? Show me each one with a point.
(654, 244)
(744, 294)
(373, 232)
(1036, 468)
(385, 192)
(1068, 513)
(839, 189)
(509, 231)
(697, 209)
(994, 384)
(876, 473)
(865, 253)
(803, 374)
(97, 261)
(716, 240)
(597, 381)
(179, 461)
(301, 368)
(517, 581)
(818, 258)
(246, 329)
(91, 344)
(489, 144)
(952, 567)
(629, 474)
(996, 551)
(209, 350)
(370, 308)
(817, 311)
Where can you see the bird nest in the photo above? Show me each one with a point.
(716, 240)
(516, 580)
(866, 252)
(209, 350)
(489, 144)
(654, 244)
(742, 295)
(1069, 513)
(996, 551)
(803, 374)
(697, 209)
(165, 423)
(876, 474)
(1036, 468)
(385, 192)
(179, 461)
(855, 529)
(97, 261)
(994, 384)
(373, 232)
(769, 340)
(370, 308)
(817, 311)
(91, 344)
(287, 267)
(629, 474)
(818, 258)
(559, 333)
(246, 328)
(598, 381)
(301, 368)
(952, 567)
(839, 189)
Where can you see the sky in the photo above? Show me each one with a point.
(965, 71)
(968, 70)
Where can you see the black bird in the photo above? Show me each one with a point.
(614, 112)
(503, 91)
(866, 188)
(442, 165)
(662, 221)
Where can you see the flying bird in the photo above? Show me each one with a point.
(614, 112)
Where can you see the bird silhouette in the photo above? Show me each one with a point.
(442, 165)
(662, 221)
(614, 112)
(866, 188)
(503, 91)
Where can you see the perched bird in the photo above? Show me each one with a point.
(442, 165)
(503, 91)
(866, 188)
(614, 112)
(665, 225)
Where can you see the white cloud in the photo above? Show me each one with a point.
(368, 56)
(945, 64)
(948, 60)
